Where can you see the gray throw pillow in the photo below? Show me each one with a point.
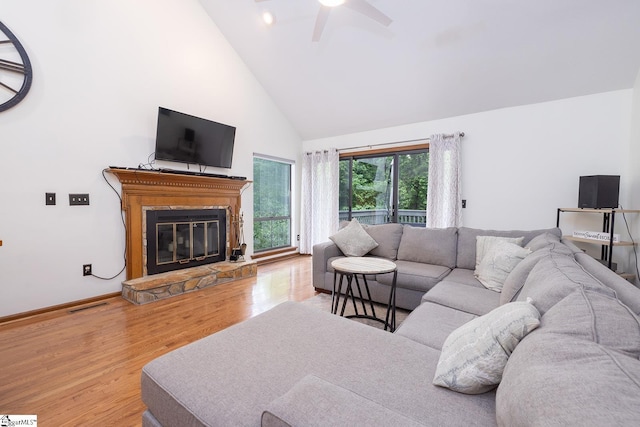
(353, 240)
(474, 355)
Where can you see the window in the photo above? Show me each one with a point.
(372, 185)
(271, 203)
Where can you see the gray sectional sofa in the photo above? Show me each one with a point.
(575, 362)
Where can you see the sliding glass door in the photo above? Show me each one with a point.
(390, 187)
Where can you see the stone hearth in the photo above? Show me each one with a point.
(164, 285)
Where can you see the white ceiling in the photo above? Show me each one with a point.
(437, 59)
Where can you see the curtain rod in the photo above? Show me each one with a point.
(396, 142)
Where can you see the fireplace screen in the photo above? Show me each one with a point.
(184, 238)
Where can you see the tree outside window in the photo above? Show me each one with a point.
(271, 204)
(372, 186)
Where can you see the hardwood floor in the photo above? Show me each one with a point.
(83, 368)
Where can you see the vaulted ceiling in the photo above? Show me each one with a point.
(437, 59)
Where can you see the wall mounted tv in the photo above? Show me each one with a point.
(184, 138)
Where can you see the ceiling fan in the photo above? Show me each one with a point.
(360, 6)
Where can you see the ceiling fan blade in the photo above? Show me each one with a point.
(363, 7)
(321, 21)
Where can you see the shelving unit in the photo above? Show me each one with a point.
(608, 223)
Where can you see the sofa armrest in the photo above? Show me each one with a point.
(316, 402)
(321, 254)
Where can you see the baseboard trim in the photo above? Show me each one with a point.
(278, 257)
(45, 310)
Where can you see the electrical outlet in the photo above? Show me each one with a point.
(464, 203)
(78, 199)
(86, 270)
(298, 238)
(49, 198)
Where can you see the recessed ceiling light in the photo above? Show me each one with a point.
(331, 3)
(268, 18)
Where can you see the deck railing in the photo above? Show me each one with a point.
(382, 216)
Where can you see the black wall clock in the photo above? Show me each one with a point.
(15, 70)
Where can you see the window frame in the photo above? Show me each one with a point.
(382, 152)
(291, 164)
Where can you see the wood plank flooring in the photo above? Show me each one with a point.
(83, 368)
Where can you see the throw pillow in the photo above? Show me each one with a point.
(498, 263)
(474, 355)
(484, 244)
(353, 240)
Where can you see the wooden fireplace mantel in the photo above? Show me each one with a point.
(145, 188)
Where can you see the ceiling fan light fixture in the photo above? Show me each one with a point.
(331, 3)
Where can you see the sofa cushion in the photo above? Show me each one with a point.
(464, 276)
(466, 257)
(388, 237)
(474, 355)
(498, 262)
(484, 244)
(353, 240)
(542, 241)
(316, 402)
(207, 383)
(601, 318)
(470, 299)
(430, 324)
(625, 291)
(415, 275)
(554, 277)
(515, 280)
(555, 379)
(429, 245)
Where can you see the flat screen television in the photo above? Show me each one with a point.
(184, 138)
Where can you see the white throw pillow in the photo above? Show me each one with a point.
(484, 244)
(474, 355)
(498, 263)
(353, 240)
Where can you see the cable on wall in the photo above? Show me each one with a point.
(124, 225)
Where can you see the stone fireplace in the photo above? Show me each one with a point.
(180, 230)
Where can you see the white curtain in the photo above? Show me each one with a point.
(320, 181)
(444, 195)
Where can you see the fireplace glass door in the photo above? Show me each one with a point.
(177, 240)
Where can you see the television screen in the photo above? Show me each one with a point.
(188, 139)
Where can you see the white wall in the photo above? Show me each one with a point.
(101, 69)
(520, 164)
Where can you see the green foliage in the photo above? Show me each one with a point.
(271, 234)
(271, 204)
(272, 188)
(372, 184)
(412, 185)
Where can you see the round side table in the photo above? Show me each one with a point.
(351, 267)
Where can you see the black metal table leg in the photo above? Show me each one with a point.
(391, 307)
(364, 307)
(348, 291)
